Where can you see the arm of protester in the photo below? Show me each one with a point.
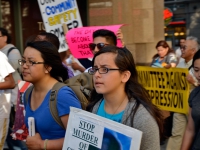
(191, 80)
(120, 36)
(189, 133)
(173, 65)
(144, 122)
(36, 142)
(167, 66)
(76, 66)
(8, 83)
(172, 61)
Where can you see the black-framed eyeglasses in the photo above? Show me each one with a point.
(99, 45)
(28, 62)
(101, 70)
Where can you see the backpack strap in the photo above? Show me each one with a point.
(53, 103)
(27, 93)
(10, 50)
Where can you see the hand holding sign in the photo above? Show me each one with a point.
(79, 39)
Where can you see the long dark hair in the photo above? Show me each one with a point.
(124, 60)
(164, 45)
(109, 35)
(51, 58)
(4, 32)
(195, 57)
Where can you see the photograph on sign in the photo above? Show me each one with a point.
(88, 131)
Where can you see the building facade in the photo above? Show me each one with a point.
(185, 20)
(143, 21)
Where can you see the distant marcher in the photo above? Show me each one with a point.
(165, 57)
(178, 51)
(52, 38)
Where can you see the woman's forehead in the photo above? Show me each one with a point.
(31, 53)
(105, 58)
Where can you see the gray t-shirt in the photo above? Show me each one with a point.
(194, 103)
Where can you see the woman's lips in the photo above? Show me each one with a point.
(98, 83)
(24, 73)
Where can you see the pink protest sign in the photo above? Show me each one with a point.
(79, 38)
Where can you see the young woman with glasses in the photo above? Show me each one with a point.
(191, 139)
(120, 97)
(42, 66)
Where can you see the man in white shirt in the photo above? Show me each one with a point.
(180, 120)
(13, 55)
(6, 84)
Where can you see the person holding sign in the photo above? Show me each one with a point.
(124, 100)
(104, 37)
(191, 139)
(165, 57)
(42, 66)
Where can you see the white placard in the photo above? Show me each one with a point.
(55, 13)
(87, 131)
(31, 126)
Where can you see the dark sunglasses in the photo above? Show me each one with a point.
(99, 45)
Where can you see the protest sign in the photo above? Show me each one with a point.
(20, 132)
(168, 88)
(87, 131)
(55, 13)
(79, 38)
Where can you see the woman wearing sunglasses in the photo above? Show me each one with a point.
(42, 66)
(120, 97)
(102, 38)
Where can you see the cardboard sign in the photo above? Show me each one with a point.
(87, 131)
(79, 38)
(168, 88)
(55, 13)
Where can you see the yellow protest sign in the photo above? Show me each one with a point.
(168, 88)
